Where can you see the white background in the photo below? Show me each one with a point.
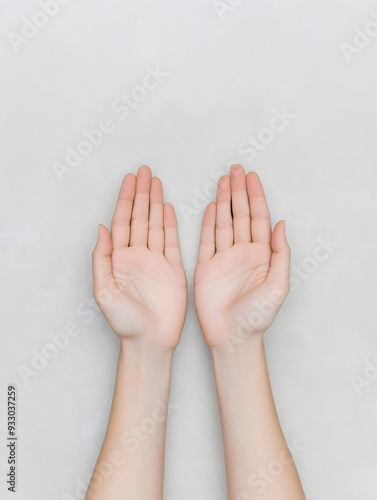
(225, 78)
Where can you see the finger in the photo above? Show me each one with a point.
(224, 223)
(260, 215)
(156, 217)
(207, 238)
(280, 258)
(103, 280)
(140, 210)
(120, 224)
(172, 250)
(240, 205)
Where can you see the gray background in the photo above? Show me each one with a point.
(225, 77)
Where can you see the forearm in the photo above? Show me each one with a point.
(131, 462)
(253, 439)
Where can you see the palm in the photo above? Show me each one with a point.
(151, 291)
(232, 274)
(139, 281)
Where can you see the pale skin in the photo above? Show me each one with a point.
(240, 283)
(140, 286)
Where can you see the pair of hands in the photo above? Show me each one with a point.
(240, 281)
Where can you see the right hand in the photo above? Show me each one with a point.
(242, 275)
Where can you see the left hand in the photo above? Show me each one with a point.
(139, 280)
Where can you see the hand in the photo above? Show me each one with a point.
(242, 275)
(139, 281)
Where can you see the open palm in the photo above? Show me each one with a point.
(139, 281)
(242, 275)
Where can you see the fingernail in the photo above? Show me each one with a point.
(99, 228)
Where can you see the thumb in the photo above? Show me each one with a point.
(281, 257)
(101, 261)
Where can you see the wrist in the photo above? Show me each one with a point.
(234, 344)
(145, 373)
(239, 351)
(138, 354)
